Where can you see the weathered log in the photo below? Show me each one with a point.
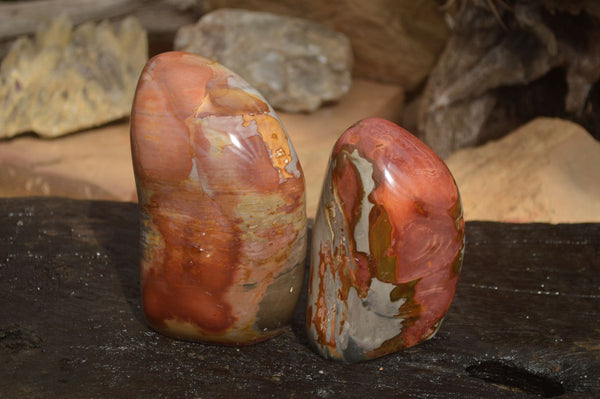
(24, 18)
(525, 320)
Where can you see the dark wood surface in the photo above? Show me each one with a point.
(525, 321)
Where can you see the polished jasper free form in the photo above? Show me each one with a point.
(387, 245)
(221, 193)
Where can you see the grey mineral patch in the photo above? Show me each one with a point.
(297, 65)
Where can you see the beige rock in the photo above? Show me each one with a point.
(394, 41)
(70, 79)
(546, 171)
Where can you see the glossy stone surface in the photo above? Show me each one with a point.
(387, 245)
(221, 192)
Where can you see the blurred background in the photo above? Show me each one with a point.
(505, 91)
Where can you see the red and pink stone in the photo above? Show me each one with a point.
(387, 245)
(221, 194)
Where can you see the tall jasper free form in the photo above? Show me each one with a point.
(221, 193)
(387, 245)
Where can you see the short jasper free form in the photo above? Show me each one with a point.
(387, 245)
(221, 192)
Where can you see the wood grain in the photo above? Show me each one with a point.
(23, 18)
(525, 320)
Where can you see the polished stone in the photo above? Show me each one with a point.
(387, 245)
(221, 194)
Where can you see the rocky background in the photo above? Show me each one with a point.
(506, 91)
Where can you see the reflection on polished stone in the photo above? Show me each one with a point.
(221, 194)
(387, 245)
